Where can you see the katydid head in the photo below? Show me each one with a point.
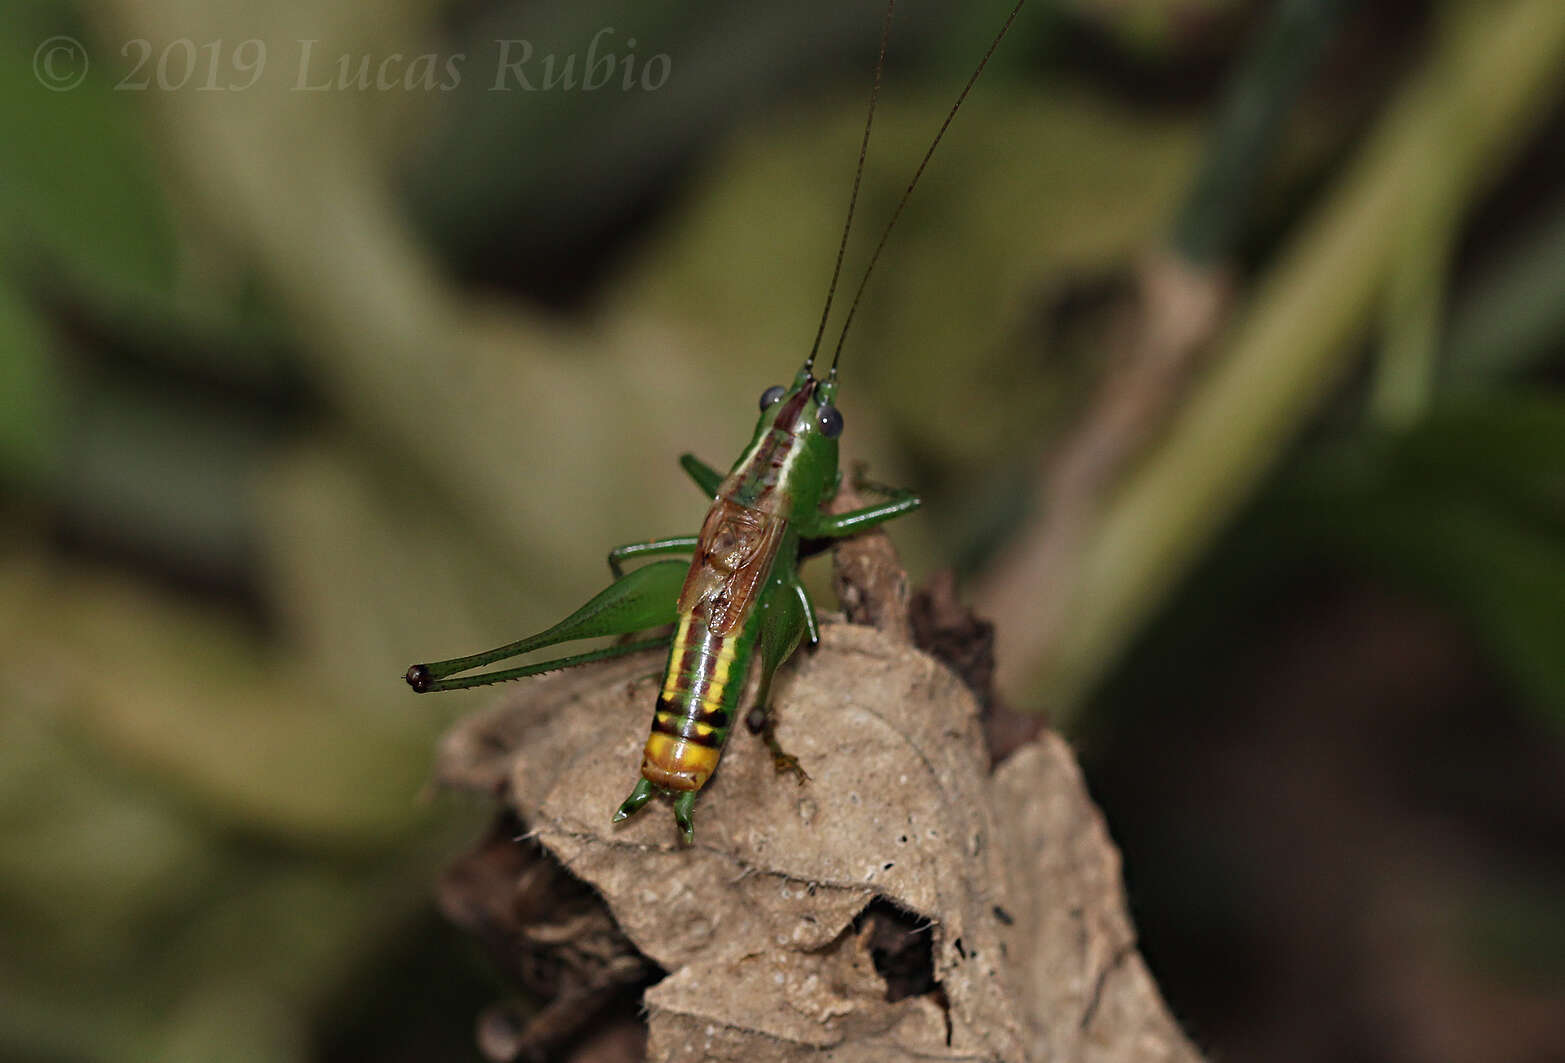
(794, 449)
(805, 410)
(808, 405)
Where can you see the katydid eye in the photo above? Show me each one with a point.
(830, 421)
(772, 394)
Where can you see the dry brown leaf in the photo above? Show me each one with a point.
(755, 922)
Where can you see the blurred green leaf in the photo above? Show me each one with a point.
(1507, 446)
(77, 181)
(1260, 95)
(1469, 507)
(83, 205)
(29, 391)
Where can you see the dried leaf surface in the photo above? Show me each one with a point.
(756, 921)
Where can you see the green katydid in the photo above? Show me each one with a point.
(741, 589)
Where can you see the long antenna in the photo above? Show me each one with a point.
(907, 194)
(858, 175)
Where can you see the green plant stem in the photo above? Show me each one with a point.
(1493, 73)
(1420, 268)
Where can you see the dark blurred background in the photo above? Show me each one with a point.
(1224, 340)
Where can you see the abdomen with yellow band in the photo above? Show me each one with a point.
(697, 704)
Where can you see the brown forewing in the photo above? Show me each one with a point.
(733, 557)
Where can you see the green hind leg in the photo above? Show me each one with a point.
(645, 598)
(787, 617)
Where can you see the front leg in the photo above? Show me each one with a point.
(819, 525)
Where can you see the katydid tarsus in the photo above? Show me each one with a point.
(740, 593)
